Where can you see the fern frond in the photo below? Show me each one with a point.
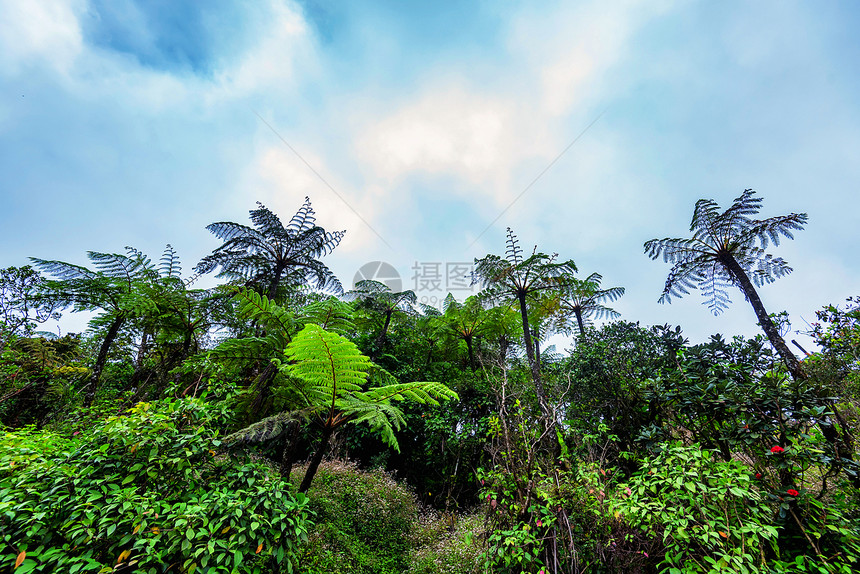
(267, 222)
(265, 430)
(331, 363)
(513, 252)
(331, 314)
(169, 265)
(277, 321)
(425, 392)
(304, 218)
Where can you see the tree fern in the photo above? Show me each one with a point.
(517, 279)
(267, 254)
(728, 248)
(333, 379)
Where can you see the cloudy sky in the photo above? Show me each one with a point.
(426, 128)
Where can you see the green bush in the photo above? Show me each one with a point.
(710, 516)
(143, 492)
(365, 522)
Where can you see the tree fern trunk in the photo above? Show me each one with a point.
(580, 322)
(380, 339)
(468, 339)
(102, 359)
(317, 458)
(287, 449)
(763, 318)
(530, 353)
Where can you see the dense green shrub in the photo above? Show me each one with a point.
(709, 513)
(144, 492)
(365, 522)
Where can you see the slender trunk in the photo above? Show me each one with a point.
(536, 337)
(763, 318)
(102, 358)
(186, 344)
(580, 322)
(274, 283)
(381, 337)
(287, 449)
(468, 339)
(141, 352)
(385, 326)
(530, 353)
(317, 458)
(263, 384)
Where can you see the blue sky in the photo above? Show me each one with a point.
(136, 123)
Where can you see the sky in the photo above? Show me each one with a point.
(426, 129)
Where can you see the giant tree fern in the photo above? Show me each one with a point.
(332, 379)
(729, 248)
(581, 299)
(269, 253)
(518, 278)
(380, 300)
(130, 292)
(113, 289)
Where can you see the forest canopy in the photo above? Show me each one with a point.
(278, 422)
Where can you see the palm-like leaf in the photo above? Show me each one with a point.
(330, 364)
(331, 314)
(275, 322)
(580, 300)
(700, 261)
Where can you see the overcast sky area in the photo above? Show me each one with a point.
(420, 128)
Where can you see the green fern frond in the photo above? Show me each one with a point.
(265, 430)
(169, 265)
(258, 308)
(331, 314)
(425, 392)
(383, 418)
(332, 364)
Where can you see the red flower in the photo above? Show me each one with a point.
(758, 475)
(792, 492)
(777, 450)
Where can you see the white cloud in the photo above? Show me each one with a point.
(39, 30)
(450, 130)
(280, 180)
(496, 138)
(271, 63)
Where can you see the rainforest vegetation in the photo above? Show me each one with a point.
(282, 422)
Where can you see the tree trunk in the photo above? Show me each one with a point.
(580, 322)
(102, 358)
(468, 339)
(380, 339)
(274, 283)
(763, 318)
(317, 458)
(503, 349)
(287, 449)
(530, 353)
